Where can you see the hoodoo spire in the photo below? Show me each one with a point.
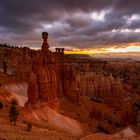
(45, 45)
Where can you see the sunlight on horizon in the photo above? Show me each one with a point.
(105, 50)
(127, 49)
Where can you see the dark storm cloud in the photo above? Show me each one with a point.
(106, 38)
(134, 24)
(15, 13)
(68, 22)
(130, 6)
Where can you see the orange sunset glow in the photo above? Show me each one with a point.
(133, 49)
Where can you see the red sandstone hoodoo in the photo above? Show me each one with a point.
(43, 85)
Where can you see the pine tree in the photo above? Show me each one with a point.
(5, 67)
(13, 112)
(1, 105)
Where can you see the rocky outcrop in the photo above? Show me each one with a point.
(70, 81)
(43, 83)
(127, 70)
(18, 62)
(93, 85)
(53, 77)
(32, 88)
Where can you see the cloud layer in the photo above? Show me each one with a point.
(71, 24)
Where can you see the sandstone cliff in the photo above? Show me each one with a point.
(92, 91)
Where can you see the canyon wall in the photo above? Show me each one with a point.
(53, 76)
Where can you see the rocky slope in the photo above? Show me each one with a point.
(48, 124)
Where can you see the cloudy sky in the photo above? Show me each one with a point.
(80, 26)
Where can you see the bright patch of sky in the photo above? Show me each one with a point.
(133, 49)
(127, 30)
(47, 26)
(130, 19)
(100, 16)
(127, 49)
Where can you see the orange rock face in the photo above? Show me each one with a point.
(43, 77)
(32, 88)
(86, 88)
(54, 76)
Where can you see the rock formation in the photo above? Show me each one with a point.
(83, 88)
(54, 76)
(50, 78)
(43, 81)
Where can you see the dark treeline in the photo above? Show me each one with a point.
(5, 45)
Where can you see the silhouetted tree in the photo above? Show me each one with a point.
(13, 112)
(1, 105)
(14, 101)
(5, 67)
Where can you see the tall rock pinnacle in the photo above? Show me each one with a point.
(45, 45)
